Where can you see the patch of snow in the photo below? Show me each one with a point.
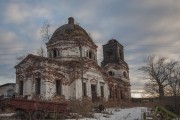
(135, 113)
(7, 114)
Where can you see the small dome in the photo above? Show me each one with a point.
(112, 41)
(69, 30)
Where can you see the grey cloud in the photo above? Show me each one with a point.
(143, 27)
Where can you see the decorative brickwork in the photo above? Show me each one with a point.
(71, 71)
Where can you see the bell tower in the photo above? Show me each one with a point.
(113, 52)
(116, 67)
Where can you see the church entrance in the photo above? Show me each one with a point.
(93, 92)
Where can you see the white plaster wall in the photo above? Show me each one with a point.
(43, 88)
(72, 90)
(49, 90)
(78, 89)
(93, 77)
(27, 87)
(66, 91)
(106, 92)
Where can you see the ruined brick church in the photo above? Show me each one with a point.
(71, 71)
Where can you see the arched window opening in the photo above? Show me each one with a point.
(111, 73)
(121, 55)
(102, 91)
(21, 88)
(125, 74)
(110, 92)
(94, 92)
(110, 53)
(38, 86)
(90, 54)
(58, 87)
(54, 53)
(84, 89)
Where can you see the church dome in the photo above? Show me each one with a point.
(68, 41)
(69, 30)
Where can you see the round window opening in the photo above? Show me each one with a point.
(125, 74)
(111, 73)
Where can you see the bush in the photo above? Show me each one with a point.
(82, 108)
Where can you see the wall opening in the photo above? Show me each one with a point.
(125, 74)
(38, 86)
(110, 53)
(111, 73)
(93, 92)
(90, 54)
(84, 89)
(110, 92)
(58, 87)
(54, 53)
(102, 91)
(121, 54)
(21, 88)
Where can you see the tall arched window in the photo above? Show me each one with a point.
(121, 54)
(38, 86)
(54, 53)
(84, 89)
(110, 92)
(58, 87)
(125, 74)
(90, 54)
(111, 73)
(38, 83)
(21, 87)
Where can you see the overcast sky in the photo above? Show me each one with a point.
(143, 27)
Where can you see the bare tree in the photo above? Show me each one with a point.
(151, 88)
(45, 31)
(174, 78)
(41, 52)
(156, 71)
(45, 34)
